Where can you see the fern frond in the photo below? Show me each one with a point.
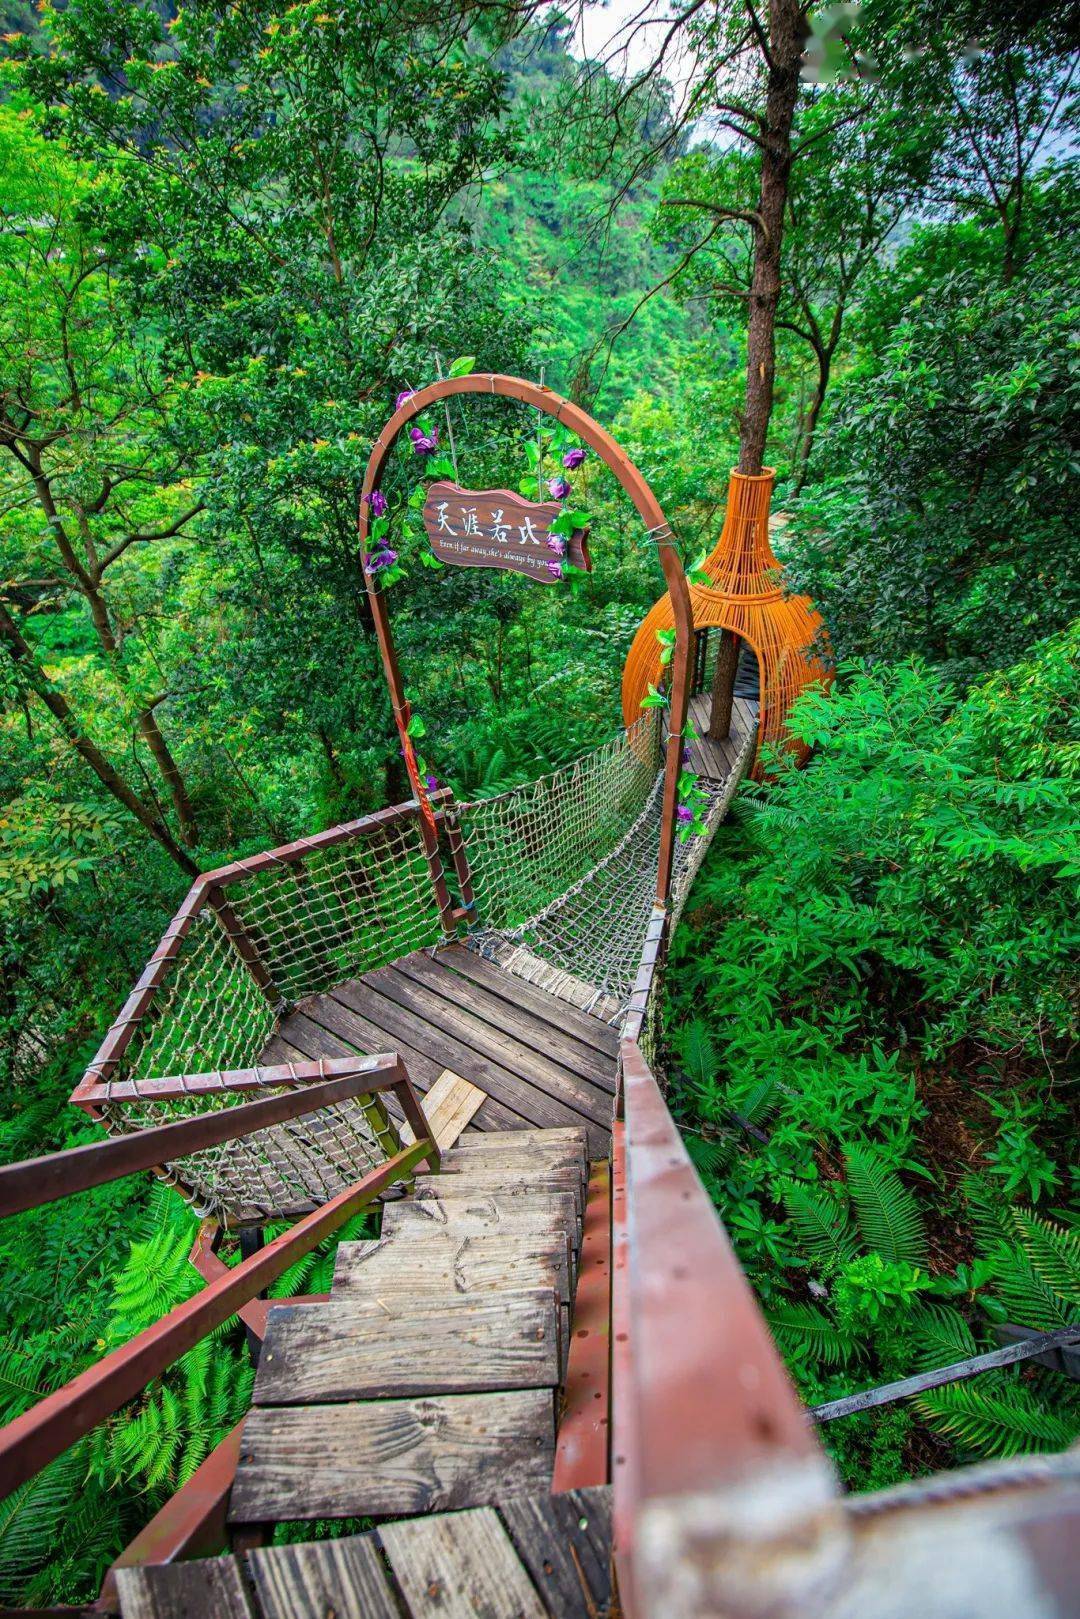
(821, 1222)
(802, 1329)
(31, 1519)
(888, 1216)
(694, 1043)
(1052, 1252)
(942, 1336)
(756, 1101)
(707, 1154)
(999, 1419)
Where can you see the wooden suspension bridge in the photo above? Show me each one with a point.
(544, 1387)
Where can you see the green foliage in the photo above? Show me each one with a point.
(889, 1220)
(839, 971)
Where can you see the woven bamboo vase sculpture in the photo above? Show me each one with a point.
(746, 596)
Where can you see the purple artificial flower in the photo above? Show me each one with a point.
(555, 569)
(431, 783)
(558, 488)
(424, 443)
(406, 393)
(381, 559)
(684, 813)
(572, 459)
(377, 502)
(687, 756)
(557, 544)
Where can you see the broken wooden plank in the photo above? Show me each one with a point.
(184, 1590)
(565, 1543)
(459, 1567)
(448, 1107)
(367, 1348)
(344, 1578)
(393, 1457)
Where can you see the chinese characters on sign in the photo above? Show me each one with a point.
(491, 528)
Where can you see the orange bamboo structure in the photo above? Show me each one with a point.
(746, 596)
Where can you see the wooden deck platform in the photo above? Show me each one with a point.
(716, 760)
(541, 1062)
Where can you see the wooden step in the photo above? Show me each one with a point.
(393, 1457)
(532, 1157)
(459, 1566)
(507, 1182)
(344, 1578)
(496, 1562)
(466, 1213)
(375, 1348)
(481, 1140)
(415, 1256)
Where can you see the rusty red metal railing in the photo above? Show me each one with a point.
(714, 1464)
(50, 1427)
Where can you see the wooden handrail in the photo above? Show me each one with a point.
(705, 1417)
(35, 1181)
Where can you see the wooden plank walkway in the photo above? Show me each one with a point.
(541, 1062)
(430, 1379)
(716, 760)
(538, 1557)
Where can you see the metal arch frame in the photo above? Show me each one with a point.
(648, 509)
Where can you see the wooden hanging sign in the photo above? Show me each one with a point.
(492, 528)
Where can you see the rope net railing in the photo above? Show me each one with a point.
(269, 932)
(565, 869)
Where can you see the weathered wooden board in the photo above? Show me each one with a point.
(448, 1107)
(494, 528)
(435, 1261)
(593, 1032)
(529, 1062)
(524, 1104)
(184, 1591)
(393, 1457)
(531, 1158)
(572, 1133)
(511, 1019)
(376, 1348)
(459, 1567)
(469, 1215)
(344, 1578)
(527, 1181)
(565, 1543)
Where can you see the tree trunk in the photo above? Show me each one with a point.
(110, 779)
(723, 689)
(171, 775)
(787, 37)
(787, 34)
(806, 443)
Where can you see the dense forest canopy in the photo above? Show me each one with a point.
(844, 247)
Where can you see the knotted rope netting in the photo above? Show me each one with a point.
(322, 911)
(564, 868)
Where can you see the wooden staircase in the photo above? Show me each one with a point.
(428, 1382)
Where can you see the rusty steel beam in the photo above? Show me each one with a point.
(41, 1434)
(122, 1030)
(221, 876)
(36, 1181)
(581, 1449)
(192, 1523)
(649, 510)
(227, 1080)
(708, 1421)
